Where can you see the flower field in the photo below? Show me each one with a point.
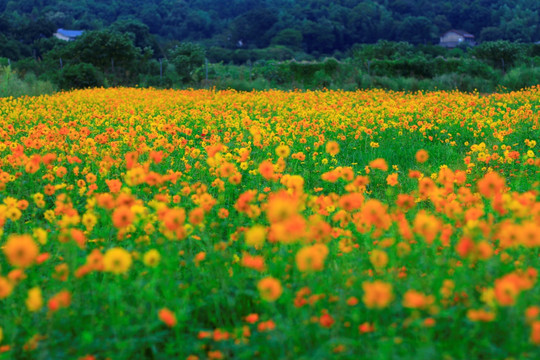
(141, 223)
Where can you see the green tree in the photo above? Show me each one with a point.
(80, 75)
(291, 38)
(105, 50)
(501, 54)
(252, 27)
(186, 58)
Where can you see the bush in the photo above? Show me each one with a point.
(11, 84)
(80, 76)
(521, 77)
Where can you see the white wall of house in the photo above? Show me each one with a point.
(61, 37)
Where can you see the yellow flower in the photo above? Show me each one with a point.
(13, 213)
(117, 260)
(378, 258)
(89, 220)
(255, 236)
(151, 258)
(283, 151)
(40, 235)
(34, 301)
(49, 216)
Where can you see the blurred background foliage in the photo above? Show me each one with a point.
(260, 44)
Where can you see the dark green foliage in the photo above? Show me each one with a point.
(291, 38)
(80, 76)
(276, 43)
(521, 77)
(317, 27)
(501, 54)
(104, 49)
(186, 58)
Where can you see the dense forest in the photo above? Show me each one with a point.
(258, 44)
(312, 26)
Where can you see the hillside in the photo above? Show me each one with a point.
(312, 26)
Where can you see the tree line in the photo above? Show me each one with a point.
(118, 57)
(313, 27)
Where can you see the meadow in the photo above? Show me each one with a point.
(200, 224)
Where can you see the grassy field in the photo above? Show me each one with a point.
(272, 225)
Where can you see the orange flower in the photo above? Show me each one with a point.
(491, 184)
(506, 290)
(60, 300)
(122, 217)
(405, 201)
(374, 213)
(268, 325)
(426, 187)
(270, 288)
(174, 218)
(200, 256)
(311, 258)
(332, 148)
(253, 262)
(114, 185)
(532, 312)
(223, 213)
(196, 216)
(105, 201)
(379, 164)
(416, 300)
(427, 226)
(352, 301)
(167, 317)
(6, 287)
(266, 169)
(414, 174)
(480, 315)
(465, 247)
(215, 354)
(21, 250)
(377, 294)
(280, 207)
(95, 260)
(421, 156)
(366, 328)
(131, 159)
(252, 318)
(535, 333)
(351, 202)
(326, 320)
(392, 179)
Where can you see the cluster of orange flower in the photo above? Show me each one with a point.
(285, 192)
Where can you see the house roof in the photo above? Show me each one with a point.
(460, 32)
(70, 33)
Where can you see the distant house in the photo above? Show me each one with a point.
(67, 35)
(455, 38)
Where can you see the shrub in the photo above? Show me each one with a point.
(79, 76)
